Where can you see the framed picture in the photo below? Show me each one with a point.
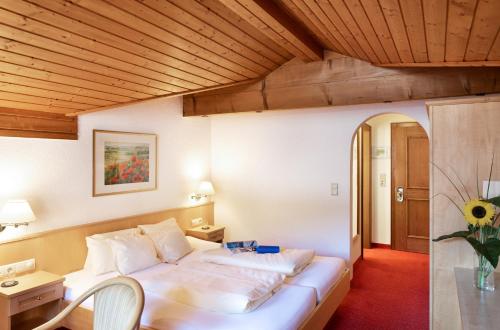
(380, 152)
(123, 162)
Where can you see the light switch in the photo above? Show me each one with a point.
(494, 189)
(334, 189)
(383, 179)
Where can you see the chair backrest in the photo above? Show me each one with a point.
(118, 304)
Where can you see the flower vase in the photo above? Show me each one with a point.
(484, 274)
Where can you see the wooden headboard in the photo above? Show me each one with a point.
(62, 251)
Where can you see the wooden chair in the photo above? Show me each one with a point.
(118, 305)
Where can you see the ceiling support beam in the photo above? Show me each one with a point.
(340, 80)
(470, 64)
(271, 20)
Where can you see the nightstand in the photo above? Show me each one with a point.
(33, 301)
(213, 233)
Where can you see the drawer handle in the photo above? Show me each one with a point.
(38, 298)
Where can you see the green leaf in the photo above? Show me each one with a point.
(490, 250)
(458, 234)
(495, 201)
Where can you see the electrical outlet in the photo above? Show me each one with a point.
(196, 222)
(20, 267)
(334, 189)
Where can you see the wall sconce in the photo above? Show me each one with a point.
(16, 213)
(205, 190)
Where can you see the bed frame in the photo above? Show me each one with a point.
(81, 318)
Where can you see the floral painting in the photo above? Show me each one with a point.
(123, 162)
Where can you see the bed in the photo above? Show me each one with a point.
(306, 300)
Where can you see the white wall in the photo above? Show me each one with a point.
(56, 175)
(381, 200)
(272, 173)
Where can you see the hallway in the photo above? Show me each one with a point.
(389, 291)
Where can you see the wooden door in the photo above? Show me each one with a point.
(365, 184)
(410, 188)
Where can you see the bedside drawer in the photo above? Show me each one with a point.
(216, 236)
(36, 298)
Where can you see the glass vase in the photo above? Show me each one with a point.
(484, 274)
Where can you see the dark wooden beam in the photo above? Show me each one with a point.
(340, 80)
(271, 20)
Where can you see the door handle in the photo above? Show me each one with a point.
(400, 194)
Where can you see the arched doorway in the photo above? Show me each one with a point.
(390, 185)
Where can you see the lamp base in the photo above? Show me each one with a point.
(8, 284)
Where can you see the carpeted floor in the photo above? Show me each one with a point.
(389, 291)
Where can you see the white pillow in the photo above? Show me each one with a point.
(169, 240)
(133, 253)
(99, 254)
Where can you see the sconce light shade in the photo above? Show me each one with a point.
(16, 212)
(206, 188)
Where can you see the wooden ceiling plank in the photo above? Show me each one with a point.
(297, 13)
(135, 63)
(484, 30)
(359, 16)
(494, 54)
(217, 7)
(460, 17)
(318, 24)
(268, 18)
(435, 15)
(196, 55)
(345, 15)
(377, 20)
(187, 34)
(33, 107)
(332, 15)
(27, 90)
(4, 95)
(413, 18)
(115, 77)
(238, 83)
(32, 62)
(461, 64)
(331, 28)
(79, 20)
(42, 42)
(394, 19)
(221, 24)
(42, 84)
(210, 32)
(176, 57)
(68, 80)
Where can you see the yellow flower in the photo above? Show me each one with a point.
(478, 212)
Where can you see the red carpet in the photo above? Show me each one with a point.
(389, 291)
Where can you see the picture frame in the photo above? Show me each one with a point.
(381, 152)
(123, 162)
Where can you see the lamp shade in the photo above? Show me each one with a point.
(17, 211)
(206, 188)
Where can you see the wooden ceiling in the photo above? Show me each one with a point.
(74, 56)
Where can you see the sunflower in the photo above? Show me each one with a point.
(478, 212)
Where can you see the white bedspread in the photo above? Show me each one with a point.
(288, 262)
(219, 288)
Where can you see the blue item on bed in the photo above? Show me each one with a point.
(268, 249)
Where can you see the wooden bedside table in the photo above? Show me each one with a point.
(214, 233)
(33, 301)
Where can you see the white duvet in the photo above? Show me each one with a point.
(219, 288)
(288, 262)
